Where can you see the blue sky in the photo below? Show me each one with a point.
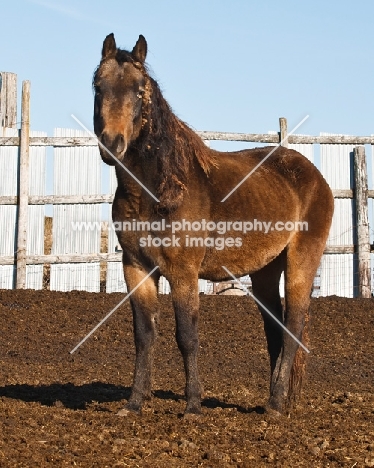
(234, 66)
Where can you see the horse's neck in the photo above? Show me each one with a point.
(138, 174)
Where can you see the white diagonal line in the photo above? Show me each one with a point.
(118, 161)
(113, 310)
(266, 310)
(265, 158)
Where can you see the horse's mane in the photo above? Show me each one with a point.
(164, 136)
(176, 147)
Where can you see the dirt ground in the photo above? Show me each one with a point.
(59, 409)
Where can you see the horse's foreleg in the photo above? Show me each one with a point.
(144, 305)
(185, 297)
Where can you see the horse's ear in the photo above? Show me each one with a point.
(109, 46)
(139, 52)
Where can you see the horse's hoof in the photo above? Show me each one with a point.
(128, 409)
(272, 412)
(192, 411)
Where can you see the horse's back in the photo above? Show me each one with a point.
(281, 170)
(288, 163)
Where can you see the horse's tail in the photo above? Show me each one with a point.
(298, 367)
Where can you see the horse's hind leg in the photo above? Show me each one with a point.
(144, 305)
(265, 285)
(303, 257)
(185, 296)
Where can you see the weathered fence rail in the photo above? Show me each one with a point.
(213, 136)
(358, 194)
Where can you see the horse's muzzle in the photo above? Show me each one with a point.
(112, 148)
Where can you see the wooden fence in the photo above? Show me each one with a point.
(358, 249)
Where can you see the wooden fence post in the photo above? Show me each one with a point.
(23, 192)
(363, 238)
(283, 132)
(8, 100)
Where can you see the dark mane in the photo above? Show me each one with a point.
(164, 136)
(175, 145)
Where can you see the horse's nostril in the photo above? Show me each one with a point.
(120, 143)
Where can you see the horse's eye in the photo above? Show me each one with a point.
(140, 93)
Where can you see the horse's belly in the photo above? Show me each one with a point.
(241, 254)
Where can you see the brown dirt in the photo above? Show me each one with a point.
(59, 409)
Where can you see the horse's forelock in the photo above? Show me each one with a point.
(123, 56)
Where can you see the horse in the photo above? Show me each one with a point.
(172, 190)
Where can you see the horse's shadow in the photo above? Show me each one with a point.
(215, 403)
(211, 402)
(77, 397)
(69, 395)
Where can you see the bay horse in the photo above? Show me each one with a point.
(166, 174)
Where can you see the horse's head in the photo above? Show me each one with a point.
(120, 85)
